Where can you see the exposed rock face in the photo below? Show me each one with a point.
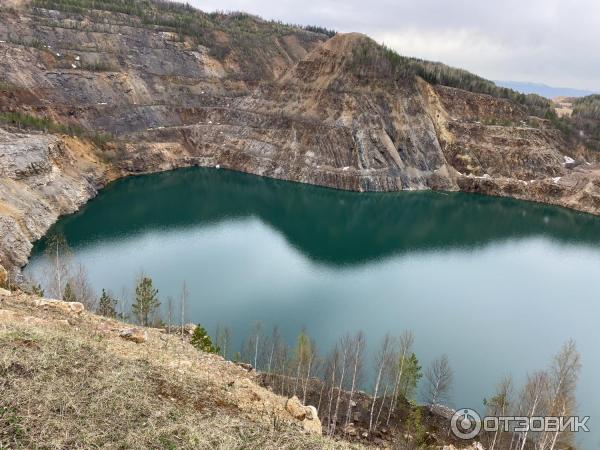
(42, 178)
(293, 106)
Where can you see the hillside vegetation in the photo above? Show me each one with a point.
(371, 59)
(69, 380)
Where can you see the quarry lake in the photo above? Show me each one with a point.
(496, 284)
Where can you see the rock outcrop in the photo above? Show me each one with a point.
(136, 335)
(282, 102)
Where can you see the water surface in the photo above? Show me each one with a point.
(496, 284)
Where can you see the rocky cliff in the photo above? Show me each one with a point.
(157, 86)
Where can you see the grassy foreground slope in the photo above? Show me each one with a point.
(68, 380)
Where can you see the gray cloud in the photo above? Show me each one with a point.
(555, 42)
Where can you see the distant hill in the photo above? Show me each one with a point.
(543, 90)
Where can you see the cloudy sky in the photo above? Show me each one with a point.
(556, 42)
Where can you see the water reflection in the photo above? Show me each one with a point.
(329, 226)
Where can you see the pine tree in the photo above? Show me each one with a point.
(202, 342)
(107, 305)
(410, 377)
(146, 300)
(69, 293)
(414, 426)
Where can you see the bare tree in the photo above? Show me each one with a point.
(82, 289)
(251, 349)
(303, 356)
(533, 399)
(358, 347)
(381, 361)
(124, 302)
(330, 377)
(439, 378)
(406, 341)
(389, 377)
(498, 406)
(275, 342)
(226, 341)
(311, 356)
(564, 373)
(345, 345)
(169, 313)
(182, 305)
(59, 256)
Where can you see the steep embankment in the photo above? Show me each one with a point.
(172, 87)
(71, 379)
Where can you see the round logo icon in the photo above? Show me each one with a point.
(465, 423)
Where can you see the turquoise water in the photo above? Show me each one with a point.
(496, 284)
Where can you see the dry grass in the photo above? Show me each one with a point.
(75, 386)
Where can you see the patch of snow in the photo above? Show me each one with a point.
(568, 159)
(556, 179)
(218, 166)
(346, 168)
(210, 122)
(73, 66)
(77, 58)
(103, 103)
(58, 54)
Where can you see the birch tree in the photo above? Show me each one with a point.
(274, 344)
(498, 406)
(303, 356)
(251, 350)
(406, 342)
(226, 341)
(381, 360)
(358, 348)
(345, 346)
(59, 256)
(532, 400)
(563, 377)
(183, 297)
(82, 289)
(169, 313)
(332, 367)
(439, 378)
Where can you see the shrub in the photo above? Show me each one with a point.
(202, 341)
(28, 121)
